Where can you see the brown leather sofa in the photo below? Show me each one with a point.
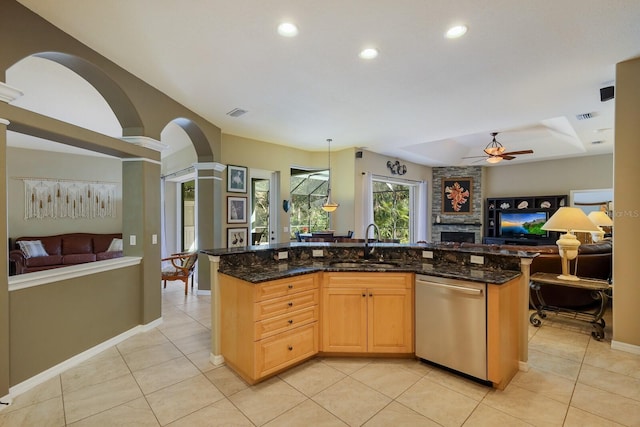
(63, 250)
(594, 261)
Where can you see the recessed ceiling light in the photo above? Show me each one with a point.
(287, 29)
(368, 53)
(456, 31)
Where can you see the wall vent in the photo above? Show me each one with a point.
(236, 112)
(585, 116)
(600, 141)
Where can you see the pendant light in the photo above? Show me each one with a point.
(329, 206)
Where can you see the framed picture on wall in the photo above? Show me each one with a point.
(236, 179)
(457, 195)
(237, 237)
(236, 209)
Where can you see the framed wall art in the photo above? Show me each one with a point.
(236, 209)
(237, 237)
(236, 179)
(456, 195)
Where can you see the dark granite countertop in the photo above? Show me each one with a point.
(258, 264)
(282, 269)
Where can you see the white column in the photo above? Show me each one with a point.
(525, 268)
(216, 315)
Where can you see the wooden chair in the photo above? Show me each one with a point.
(182, 267)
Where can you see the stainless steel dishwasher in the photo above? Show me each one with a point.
(451, 324)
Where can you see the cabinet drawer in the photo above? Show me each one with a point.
(285, 304)
(368, 280)
(279, 351)
(285, 286)
(285, 322)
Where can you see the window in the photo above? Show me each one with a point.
(391, 213)
(260, 211)
(308, 192)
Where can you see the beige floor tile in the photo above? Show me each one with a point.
(351, 401)
(312, 377)
(226, 380)
(153, 355)
(205, 321)
(94, 371)
(607, 405)
(561, 366)
(347, 365)
(96, 398)
(47, 413)
(547, 384)
(561, 343)
(459, 383)
(604, 379)
(222, 413)
(135, 413)
(196, 342)
(414, 365)
(438, 403)
(184, 398)
(308, 413)
(526, 405)
(165, 374)
(202, 360)
(40, 393)
(397, 415)
(486, 416)
(267, 400)
(389, 379)
(193, 327)
(579, 418)
(142, 340)
(600, 354)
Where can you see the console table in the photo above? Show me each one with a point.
(599, 292)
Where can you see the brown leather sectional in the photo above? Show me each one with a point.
(63, 250)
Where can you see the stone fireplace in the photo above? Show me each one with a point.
(466, 224)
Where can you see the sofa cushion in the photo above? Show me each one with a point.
(108, 255)
(43, 260)
(78, 258)
(32, 248)
(77, 245)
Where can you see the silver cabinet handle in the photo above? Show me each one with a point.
(461, 289)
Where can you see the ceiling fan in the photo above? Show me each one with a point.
(495, 152)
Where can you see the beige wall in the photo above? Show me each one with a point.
(626, 221)
(549, 177)
(46, 164)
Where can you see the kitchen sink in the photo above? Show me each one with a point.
(360, 264)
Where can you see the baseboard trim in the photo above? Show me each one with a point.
(623, 346)
(5, 402)
(216, 359)
(203, 292)
(523, 366)
(79, 358)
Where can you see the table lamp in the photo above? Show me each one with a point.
(568, 219)
(600, 219)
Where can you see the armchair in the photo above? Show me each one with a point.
(181, 268)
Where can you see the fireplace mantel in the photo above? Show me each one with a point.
(474, 224)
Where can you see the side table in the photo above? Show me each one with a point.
(599, 292)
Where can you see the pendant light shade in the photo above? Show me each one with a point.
(328, 205)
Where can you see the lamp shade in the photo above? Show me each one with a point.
(569, 219)
(600, 218)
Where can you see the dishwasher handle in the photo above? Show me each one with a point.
(460, 289)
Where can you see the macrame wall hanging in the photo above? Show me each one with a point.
(51, 198)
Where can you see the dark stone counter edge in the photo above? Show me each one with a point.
(259, 274)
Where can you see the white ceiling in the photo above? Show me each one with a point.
(525, 68)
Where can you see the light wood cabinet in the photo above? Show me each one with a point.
(270, 326)
(367, 312)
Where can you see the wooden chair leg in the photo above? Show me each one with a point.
(186, 286)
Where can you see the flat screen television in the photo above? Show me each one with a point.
(523, 224)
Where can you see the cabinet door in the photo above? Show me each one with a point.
(390, 314)
(344, 320)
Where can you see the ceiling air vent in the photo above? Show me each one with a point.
(585, 116)
(236, 112)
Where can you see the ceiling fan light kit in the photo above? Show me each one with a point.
(495, 152)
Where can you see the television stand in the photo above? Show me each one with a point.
(525, 241)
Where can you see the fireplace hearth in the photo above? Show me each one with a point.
(458, 236)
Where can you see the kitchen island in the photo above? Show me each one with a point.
(276, 306)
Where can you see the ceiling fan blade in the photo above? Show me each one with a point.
(475, 157)
(507, 157)
(515, 153)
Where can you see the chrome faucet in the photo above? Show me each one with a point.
(376, 234)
